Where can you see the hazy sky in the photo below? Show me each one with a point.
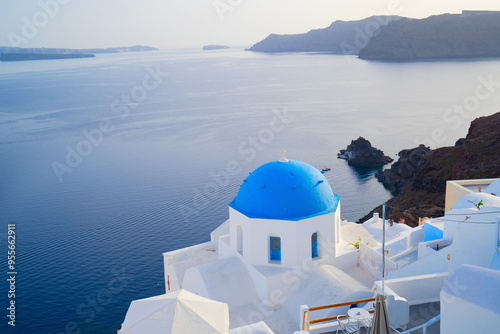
(191, 23)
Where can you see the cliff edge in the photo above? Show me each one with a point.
(418, 178)
(467, 35)
(339, 37)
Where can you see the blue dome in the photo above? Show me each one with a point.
(292, 190)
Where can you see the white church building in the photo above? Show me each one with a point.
(285, 246)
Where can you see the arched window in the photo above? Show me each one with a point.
(314, 245)
(274, 249)
(239, 239)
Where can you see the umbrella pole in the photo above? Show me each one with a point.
(383, 249)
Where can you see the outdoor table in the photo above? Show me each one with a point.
(358, 314)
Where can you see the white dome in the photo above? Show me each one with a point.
(471, 201)
(494, 188)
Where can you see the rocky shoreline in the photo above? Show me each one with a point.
(420, 174)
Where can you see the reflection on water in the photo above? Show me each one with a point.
(363, 173)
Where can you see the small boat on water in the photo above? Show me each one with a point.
(326, 169)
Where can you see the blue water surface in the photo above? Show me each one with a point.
(91, 229)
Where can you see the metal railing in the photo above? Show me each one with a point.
(305, 322)
(498, 234)
(374, 259)
(423, 326)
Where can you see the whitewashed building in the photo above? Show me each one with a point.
(285, 246)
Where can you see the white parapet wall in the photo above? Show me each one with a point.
(404, 241)
(417, 289)
(404, 292)
(474, 243)
(455, 190)
(433, 263)
(431, 247)
(177, 262)
(223, 229)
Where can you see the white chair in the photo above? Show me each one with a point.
(367, 323)
(347, 326)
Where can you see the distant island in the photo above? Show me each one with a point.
(19, 54)
(215, 47)
(339, 37)
(467, 35)
(137, 48)
(472, 34)
(40, 56)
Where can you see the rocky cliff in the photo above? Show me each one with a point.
(361, 153)
(467, 35)
(339, 37)
(418, 178)
(472, 34)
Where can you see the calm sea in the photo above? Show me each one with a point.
(110, 161)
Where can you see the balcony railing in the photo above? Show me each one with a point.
(305, 310)
(371, 257)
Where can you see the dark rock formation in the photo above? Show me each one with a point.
(418, 178)
(406, 170)
(361, 153)
(344, 37)
(460, 142)
(469, 35)
(40, 56)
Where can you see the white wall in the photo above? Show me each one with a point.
(224, 248)
(177, 262)
(219, 231)
(295, 238)
(237, 219)
(398, 308)
(472, 244)
(449, 229)
(325, 226)
(417, 289)
(403, 292)
(431, 264)
(464, 317)
(457, 189)
(469, 301)
(402, 243)
(429, 247)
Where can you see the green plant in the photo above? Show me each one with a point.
(479, 205)
(357, 243)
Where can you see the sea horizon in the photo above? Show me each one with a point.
(111, 161)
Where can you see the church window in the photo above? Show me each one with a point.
(314, 245)
(275, 249)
